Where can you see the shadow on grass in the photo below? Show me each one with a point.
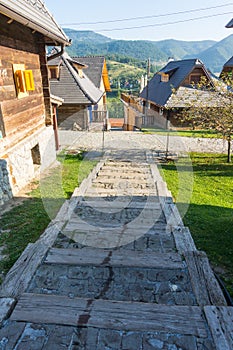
(212, 230)
(203, 165)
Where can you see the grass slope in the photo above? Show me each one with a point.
(25, 223)
(210, 212)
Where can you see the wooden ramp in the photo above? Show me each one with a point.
(116, 270)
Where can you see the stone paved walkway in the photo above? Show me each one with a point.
(116, 270)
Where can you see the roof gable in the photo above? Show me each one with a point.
(229, 63)
(159, 91)
(230, 24)
(71, 87)
(35, 15)
(96, 70)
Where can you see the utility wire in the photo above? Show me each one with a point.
(165, 23)
(151, 16)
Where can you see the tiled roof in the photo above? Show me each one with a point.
(159, 92)
(70, 86)
(35, 15)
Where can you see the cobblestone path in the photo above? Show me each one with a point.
(116, 270)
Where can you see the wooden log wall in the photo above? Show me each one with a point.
(22, 116)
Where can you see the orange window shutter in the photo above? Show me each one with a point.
(29, 80)
(19, 78)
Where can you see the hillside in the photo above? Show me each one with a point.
(213, 54)
(218, 54)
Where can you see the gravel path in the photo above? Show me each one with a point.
(137, 140)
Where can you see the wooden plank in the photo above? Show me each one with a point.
(204, 283)
(220, 321)
(183, 239)
(125, 316)
(172, 214)
(6, 306)
(119, 204)
(90, 256)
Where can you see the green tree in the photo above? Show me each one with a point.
(208, 105)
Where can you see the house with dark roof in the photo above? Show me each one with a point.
(27, 142)
(227, 68)
(80, 95)
(158, 96)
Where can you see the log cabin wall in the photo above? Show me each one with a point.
(21, 116)
(71, 115)
(24, 120)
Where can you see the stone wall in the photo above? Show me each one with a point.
(5, 187)
(30, 157)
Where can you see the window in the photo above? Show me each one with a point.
(35, 152)
(24, 80)
(54, 72)
(194, 78)
(164, 78)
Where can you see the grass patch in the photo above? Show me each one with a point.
(186, 133)
(210, 213)
(25, 223)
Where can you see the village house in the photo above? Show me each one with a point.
(96, 70)
(27, 142)
(157, 106)
(81, 95)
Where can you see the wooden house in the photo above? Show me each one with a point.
(68, 80)
(158, 98)
(96, 70)
(27, 143)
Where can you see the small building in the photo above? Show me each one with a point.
(68, 80)
(158, 98)
(27, 142)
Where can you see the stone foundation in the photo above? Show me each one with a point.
(5, 187)
(30, 157)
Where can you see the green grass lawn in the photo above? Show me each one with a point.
(187, 133)
(210, 212)
(25, 223)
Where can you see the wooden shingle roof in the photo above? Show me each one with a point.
(35, 15)
(96, 69)
(72, 88)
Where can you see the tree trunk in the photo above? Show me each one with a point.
(229, 151)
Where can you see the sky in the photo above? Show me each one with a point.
(170, 19)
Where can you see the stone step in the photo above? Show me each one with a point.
(157, 240)
(106, 169)
(104, 192)
(124, 176)
(120, 204)
(107, 180)
(115, 275)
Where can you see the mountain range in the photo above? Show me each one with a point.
(212, 53)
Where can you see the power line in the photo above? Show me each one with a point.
(151, 16)
(164, 24)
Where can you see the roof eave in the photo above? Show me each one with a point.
(55, 38)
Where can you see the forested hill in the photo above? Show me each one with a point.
(213, 54)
